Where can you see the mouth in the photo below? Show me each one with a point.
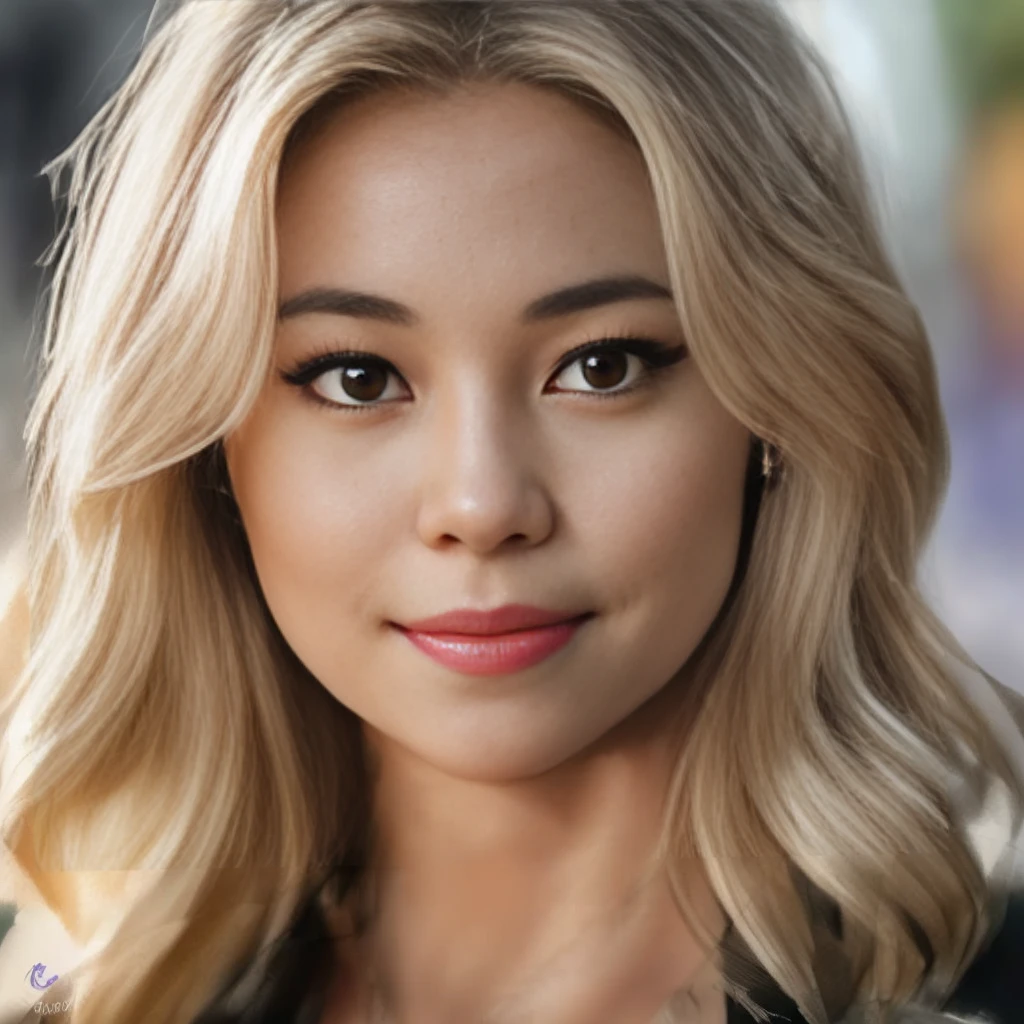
(493, 653)
(509, 618)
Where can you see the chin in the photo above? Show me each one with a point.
(497, 759)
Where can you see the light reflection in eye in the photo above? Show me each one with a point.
(359, 381)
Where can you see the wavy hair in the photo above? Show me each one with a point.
(175, 781)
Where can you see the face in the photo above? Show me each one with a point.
(463, 455)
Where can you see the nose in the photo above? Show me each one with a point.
(482, 483)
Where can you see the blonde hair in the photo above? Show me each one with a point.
(161, 726)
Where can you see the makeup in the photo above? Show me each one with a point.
(489, 643)
(654, 357)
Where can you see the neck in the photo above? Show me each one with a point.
(540, 896)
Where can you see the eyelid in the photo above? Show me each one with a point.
(331, 358)
(656, 356)
(655, 353)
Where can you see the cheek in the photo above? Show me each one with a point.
(653, 510)
(316, 523)
(663, 525)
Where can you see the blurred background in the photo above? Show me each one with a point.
(936, 90)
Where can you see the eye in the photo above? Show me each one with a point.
(357, 381)
(602, 370)
(614, 366)
(352, 380)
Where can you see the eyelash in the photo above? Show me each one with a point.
(656, 357)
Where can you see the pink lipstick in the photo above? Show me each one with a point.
(496, 642)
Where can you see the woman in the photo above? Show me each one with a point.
(398, 659)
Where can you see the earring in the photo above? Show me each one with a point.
(771, 464)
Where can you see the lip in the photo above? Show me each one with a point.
(498, 621)
(498, 642)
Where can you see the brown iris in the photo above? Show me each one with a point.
(365, 383)
(605, 369)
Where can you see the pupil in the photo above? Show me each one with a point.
(600, 370)
(364, 383)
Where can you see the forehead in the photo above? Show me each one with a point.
(494, 184)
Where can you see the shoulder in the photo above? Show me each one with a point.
(994, 983)
(992, 989)
(36, 958)
(12, 1008)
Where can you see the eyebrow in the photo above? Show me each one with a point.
(576, 298)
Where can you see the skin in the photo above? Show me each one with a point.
(517, 813)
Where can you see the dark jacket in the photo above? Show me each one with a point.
(993, 985)
(294, 992)
(293, 987)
